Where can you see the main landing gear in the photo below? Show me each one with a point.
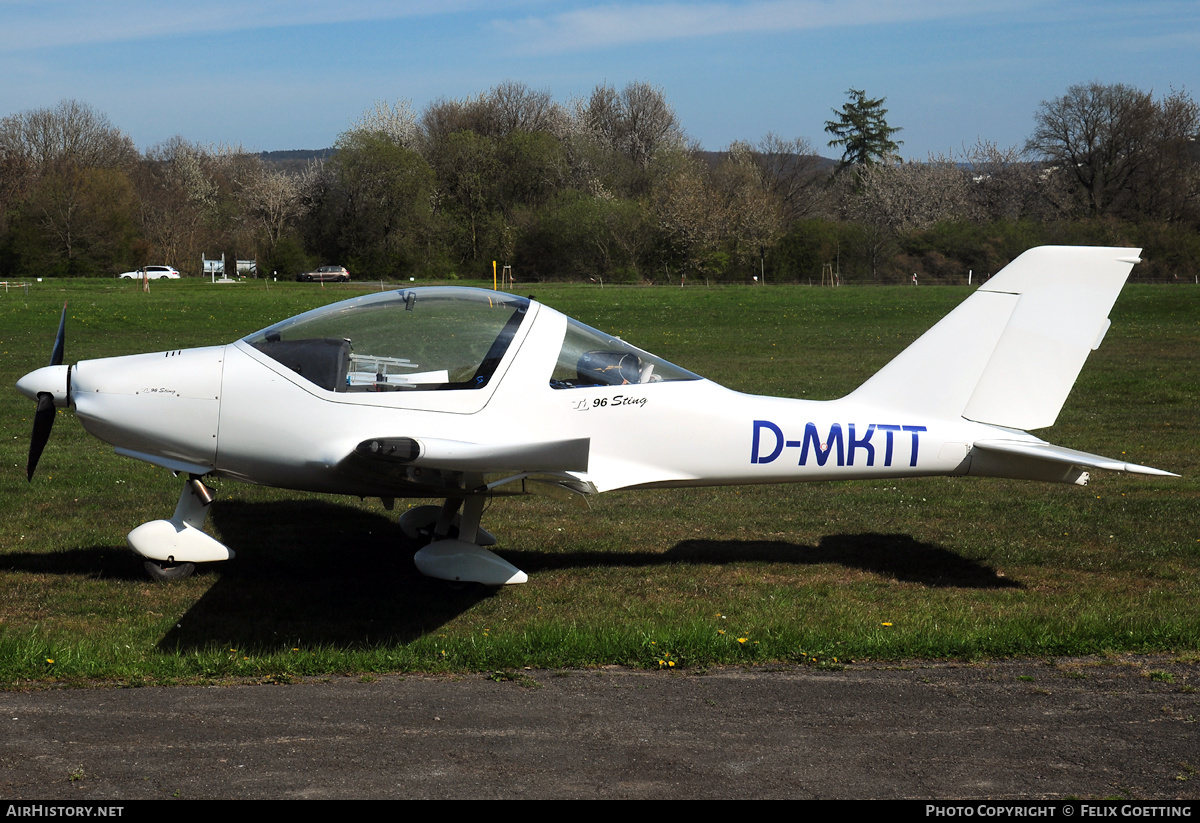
(457, 552)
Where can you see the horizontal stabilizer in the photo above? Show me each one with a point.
(1044, 461)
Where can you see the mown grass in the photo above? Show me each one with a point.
(824, 573)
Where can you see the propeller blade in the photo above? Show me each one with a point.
(43, 422)
(43, 418)
(56, 356)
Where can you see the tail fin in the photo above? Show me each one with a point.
(1010, 353)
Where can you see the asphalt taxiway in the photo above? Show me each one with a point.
(1100, 727)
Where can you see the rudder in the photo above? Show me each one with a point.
(1009, 354)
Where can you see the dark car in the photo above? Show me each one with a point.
(325, 274)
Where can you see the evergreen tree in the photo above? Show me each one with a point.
(861, 129)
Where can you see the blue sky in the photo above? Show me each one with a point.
(285, 74)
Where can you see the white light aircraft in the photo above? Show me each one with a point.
(465, 394)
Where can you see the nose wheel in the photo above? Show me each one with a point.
(162, 571)
(172, 548)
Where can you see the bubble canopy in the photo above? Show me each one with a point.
(441, 338)
(412, 339)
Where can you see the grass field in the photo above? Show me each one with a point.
(824, 573)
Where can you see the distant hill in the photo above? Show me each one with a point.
(712, 158)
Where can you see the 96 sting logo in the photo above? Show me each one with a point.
(617, 401)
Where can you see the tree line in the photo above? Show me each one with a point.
(605, 187)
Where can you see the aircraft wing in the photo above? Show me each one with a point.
(563, 486)
(1045, 461)
(434, 462)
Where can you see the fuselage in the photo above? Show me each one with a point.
(236, 412)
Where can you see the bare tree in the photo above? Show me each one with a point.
(650, 123)
(194, 199)
(1114, 145)
(507, 108)
(70, 168)
(1172, 192)
(602, 115)
(445, 116)
(516, 107)
(589, 135)
(71, 132)
(792, 172)
(638, 121)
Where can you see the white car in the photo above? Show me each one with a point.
(152, 272)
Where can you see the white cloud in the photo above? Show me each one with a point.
(51, 23)
(620, 24)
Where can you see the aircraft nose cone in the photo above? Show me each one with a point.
(46, 380)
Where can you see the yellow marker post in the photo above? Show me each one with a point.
(493, 275)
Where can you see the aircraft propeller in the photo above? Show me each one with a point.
(43, 418)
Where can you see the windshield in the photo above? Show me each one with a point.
(407, 340)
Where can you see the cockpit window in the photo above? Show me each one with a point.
(592, 358)
(408, 340)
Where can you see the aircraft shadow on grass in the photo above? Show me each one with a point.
(322, 573)
(316, 573)
(100, 562)
(898, 556)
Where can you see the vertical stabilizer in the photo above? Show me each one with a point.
(1010, 353)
